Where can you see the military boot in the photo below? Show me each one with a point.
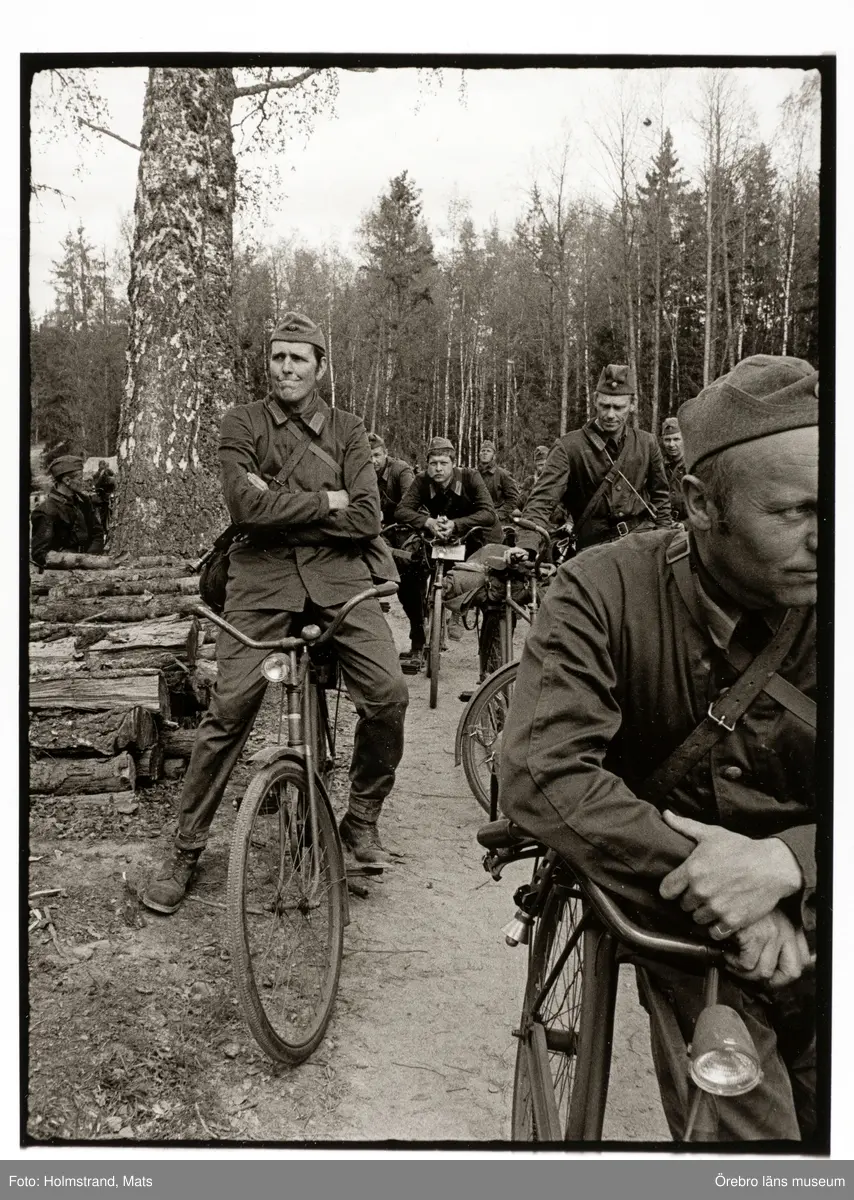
(361, 839)
(168, 887)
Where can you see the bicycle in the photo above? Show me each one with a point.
(441, 553)
(286, 896)
(478, 738)
(576, 935)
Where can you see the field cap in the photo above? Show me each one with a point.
(616, 380)
(294, 327)
(441, 445)
(760, 396)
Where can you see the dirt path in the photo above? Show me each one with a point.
(136, 1032)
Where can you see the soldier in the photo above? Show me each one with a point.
(541, 453)
(608, 476)
(394, 478)
(632, 643)
(674, 465)
(66, 518)
(500, 484)
(449, 501)
(297, 476)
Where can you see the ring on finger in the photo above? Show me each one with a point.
(721, 931)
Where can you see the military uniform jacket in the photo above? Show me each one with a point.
(615, 674)
(674, 469)
(503, 489)
(297, 547)
(394, 481)
(465, 500)
(61, 522)
(574, 469)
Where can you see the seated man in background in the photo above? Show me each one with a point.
(636, 641)
(450, 502)
(66, 518)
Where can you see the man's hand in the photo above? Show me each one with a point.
(516, 554)
(771, 950)
(257, 481)
(728, 878)
(338, 500)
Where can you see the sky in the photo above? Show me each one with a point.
(484, 144)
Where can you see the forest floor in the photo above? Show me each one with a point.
(135, 1033)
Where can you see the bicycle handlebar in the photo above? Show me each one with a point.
(297, 643)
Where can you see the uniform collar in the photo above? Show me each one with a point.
(721, 611)
(598, 436)
(490, 470)
(313, 415)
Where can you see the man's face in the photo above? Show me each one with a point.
(294, 371)
(672, 442)
(612, 412)
(74, 480)
(378, 457)
(440, 468)
(486, 456)
(765, 554)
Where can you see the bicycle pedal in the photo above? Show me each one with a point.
(354, 870)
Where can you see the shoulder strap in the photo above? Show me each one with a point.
(725, 713)
(778, 688)
(304, 444)
(616, 464)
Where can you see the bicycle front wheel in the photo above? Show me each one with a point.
(285, 909)
(436, 632)
(483, 726)
(564, 1052)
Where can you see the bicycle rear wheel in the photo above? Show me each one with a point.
(483, 726)
(564, 1053)
(285, 908)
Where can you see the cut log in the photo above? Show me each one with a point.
(61, 650)
(86, 663)
(65, 776)
(174, 768)
(178, 743)
(147, 689)
(149, 764)
(49, 579)
(113, 611)
(201, 681)
(175, 633)
(101, 733)
(63, 560)
(182, 586)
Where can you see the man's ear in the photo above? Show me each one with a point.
(321, 369)
(699, 506)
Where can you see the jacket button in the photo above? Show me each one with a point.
(732, 773)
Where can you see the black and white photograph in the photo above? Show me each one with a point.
(427, 732)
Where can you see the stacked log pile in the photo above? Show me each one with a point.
(120, 672)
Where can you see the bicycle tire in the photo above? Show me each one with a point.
(490, 648)
(286, 933)
(482, 727)
(566, 1051)
(435, 646)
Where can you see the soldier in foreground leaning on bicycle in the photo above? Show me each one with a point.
(697, 652)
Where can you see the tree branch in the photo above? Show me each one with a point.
(107, 133)
(257, 88)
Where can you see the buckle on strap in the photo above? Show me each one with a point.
(622, 529)
(729, 726)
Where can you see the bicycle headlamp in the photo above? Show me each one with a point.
(275, 667)
(724, 1061)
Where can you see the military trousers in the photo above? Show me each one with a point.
(372, 675)
(410, 593)
(782, 1025)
